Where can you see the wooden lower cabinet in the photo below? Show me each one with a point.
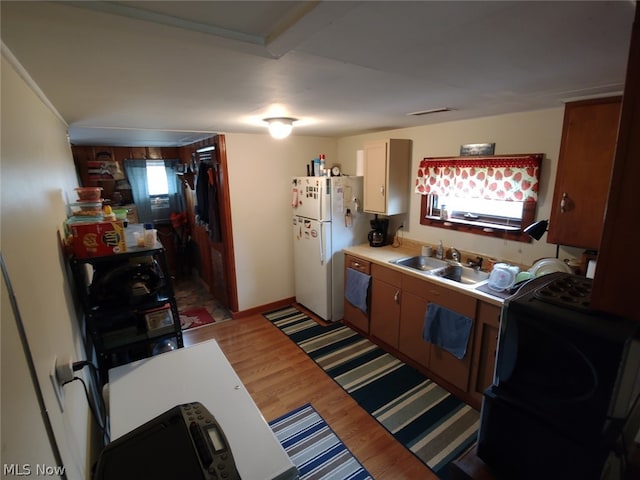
(414, 306)
(442, 363)
(485, 347)
(398, 305)
(353, 316)
(386, 295)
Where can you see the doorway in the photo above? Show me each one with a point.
(209, 212)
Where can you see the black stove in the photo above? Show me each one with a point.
(567, 290)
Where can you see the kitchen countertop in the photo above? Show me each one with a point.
(384, 255)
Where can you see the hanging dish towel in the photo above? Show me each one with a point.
(357, 289)
(447, 329)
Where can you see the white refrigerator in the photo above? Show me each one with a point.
(327, 217)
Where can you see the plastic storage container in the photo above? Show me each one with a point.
(86, 209)
(89, 194)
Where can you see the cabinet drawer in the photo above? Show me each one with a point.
(417, 286)
(458, 302)
(386, 275)
(357, 264)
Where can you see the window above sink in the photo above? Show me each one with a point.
(494, 196)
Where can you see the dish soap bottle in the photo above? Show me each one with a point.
(440, 251)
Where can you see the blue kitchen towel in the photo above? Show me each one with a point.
(357, 289)
(447, 329)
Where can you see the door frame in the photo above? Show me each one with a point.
(224, 203)
(224, 199)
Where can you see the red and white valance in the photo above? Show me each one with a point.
(508, 177)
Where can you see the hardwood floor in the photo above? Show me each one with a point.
(280, 377)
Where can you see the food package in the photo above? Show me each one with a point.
(95, 239)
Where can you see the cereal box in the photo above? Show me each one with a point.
(95, 239)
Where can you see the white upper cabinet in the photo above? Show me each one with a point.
(386, 176)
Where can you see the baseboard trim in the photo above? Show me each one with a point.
(264, 308)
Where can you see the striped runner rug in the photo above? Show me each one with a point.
(314, 448)
(432, 423)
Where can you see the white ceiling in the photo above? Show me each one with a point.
(168, 73)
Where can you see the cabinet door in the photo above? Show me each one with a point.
(352, 315)
(485, 345)
(385, 312)
(375, 177)
(589, 137)
(386, 296)
(411, 322)
(441, 362)
(612, 291)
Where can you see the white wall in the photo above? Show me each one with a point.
(36, 171)
(529, 132)
(260, 172)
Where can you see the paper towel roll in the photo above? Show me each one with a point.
(360, 163)
(591, 269)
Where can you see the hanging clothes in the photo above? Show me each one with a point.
(215, 231)
(202, 192)
(208, 206)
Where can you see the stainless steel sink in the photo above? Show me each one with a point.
(460, 274)
(444, 269)
(420, 263)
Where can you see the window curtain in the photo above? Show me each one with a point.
(511, 178)
(136, 171)
(176, 197)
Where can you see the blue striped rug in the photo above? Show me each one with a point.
(314, 448)
(433, 424)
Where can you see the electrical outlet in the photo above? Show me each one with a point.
(57, 385)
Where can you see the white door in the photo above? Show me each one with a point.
(312, 265)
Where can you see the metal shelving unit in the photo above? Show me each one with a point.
(129, 306)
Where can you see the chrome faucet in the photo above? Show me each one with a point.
(475, 264)
(455, 255)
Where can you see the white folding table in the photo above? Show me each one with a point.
(140, 391)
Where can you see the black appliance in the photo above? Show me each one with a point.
(566, 383)
(378, 235)
(126, 283)
(185, 442)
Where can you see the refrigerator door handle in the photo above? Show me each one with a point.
(322, 191)
(321, 243)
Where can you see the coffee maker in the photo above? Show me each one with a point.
(378, 234)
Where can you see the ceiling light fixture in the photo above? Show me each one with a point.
(280, 127)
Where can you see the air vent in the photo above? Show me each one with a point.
(428, 112)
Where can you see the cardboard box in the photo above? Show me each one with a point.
(95, 239)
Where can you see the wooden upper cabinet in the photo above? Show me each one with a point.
(614, 289)
(386, 176)
(589, 136)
